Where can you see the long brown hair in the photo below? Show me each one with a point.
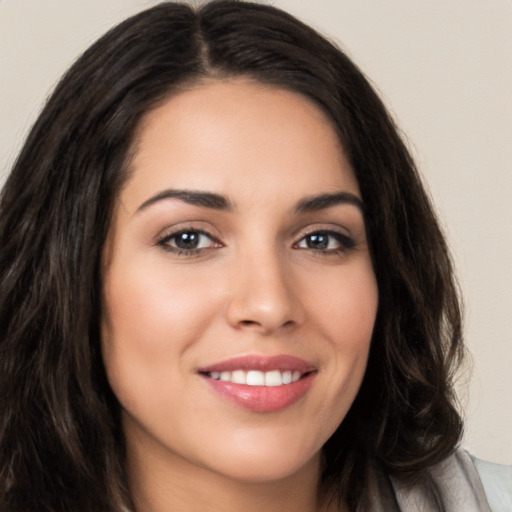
(61, 445)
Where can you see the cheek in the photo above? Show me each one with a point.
(352, 327)
(151, 319)
(148, 305)
(345, 306)
(344, 309)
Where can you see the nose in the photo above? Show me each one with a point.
(264, 297)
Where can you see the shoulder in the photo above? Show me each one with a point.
(470, 482)
(459, 486)
(497, 482)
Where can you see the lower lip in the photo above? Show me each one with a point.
(262, 398)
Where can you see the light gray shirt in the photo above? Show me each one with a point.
(466, 484)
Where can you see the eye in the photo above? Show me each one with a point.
(188, 241)
(325, 241)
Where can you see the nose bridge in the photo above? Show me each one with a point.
(263, 294)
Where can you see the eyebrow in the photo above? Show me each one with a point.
(220, 202)
(196, 198)
(324, 201)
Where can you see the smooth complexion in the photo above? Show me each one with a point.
(237, 235)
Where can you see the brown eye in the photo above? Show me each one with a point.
(317, 241)
(326, 241)
(188, 241)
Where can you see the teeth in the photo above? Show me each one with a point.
(273, 378)
(257, 378)
(239, 377)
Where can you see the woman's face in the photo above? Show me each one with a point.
(239, 292)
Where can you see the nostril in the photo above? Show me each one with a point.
(248, 322)
(254, 323)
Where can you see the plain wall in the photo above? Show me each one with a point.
(444, 68)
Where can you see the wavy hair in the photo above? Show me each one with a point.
(61, 444)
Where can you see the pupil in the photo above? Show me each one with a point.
(318, 241)
(187, 240)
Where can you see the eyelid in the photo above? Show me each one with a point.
(323, 227)
(187, 225)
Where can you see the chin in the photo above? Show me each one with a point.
(265, 460)
(265, 470)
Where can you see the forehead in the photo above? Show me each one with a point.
(236, 135)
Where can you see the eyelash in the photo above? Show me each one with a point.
(344, 241)
(165, 240)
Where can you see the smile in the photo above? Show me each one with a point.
(260, 383)
(258, 378)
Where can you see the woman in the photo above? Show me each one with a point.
(223, 285)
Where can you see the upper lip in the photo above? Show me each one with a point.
(261, 363)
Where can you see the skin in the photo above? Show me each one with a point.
(256, 284)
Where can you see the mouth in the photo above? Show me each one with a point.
(260, 384)
(258, 378)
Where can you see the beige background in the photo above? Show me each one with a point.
(444, 67)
